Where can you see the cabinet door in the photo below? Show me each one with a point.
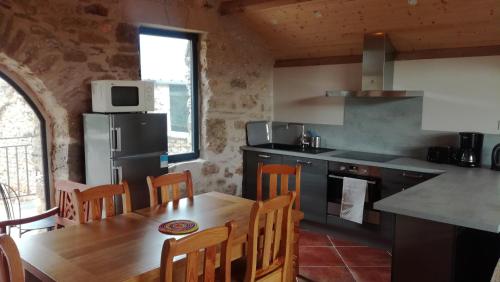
(250, 162)
(313, 187)
(395, 181)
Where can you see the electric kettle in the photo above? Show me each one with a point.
(495, 158)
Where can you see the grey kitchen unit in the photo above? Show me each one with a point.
(316, 186)
(313, 181)
(313, 185)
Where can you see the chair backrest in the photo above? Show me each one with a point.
(283, 171)
(10, 202)
(269, 235)
(165, 181)
(207, 240)
(11, 267)
(92, 202)
(64, 199)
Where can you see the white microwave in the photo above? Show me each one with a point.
(115, 96)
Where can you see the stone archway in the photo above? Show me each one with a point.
(23, 149)
(55, 119)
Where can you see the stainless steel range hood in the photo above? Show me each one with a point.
(377, 71)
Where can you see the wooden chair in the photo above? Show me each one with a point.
(66, 203)
(12, 206)
(91, 202)
(268, 248)
(11, 267)
(284, 171)
(165, 181)
(207, 240)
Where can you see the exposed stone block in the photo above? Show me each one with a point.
(74, 56)
(92, 38)
(95, 67)
(239, 170)
(45, 64)
(238, 83)
(96, 9)
(216, 135)
(227, 173)
(220, 182)
(126, 33)
(125, 61)
(15, 43)
(209, 169)
(231, 189)
(239, 124)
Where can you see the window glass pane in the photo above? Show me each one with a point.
(169, 62)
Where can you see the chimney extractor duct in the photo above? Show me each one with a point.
(377, 70)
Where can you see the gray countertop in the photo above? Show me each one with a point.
(468, 197)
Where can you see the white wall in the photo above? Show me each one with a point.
(459, 93)
(299, 92)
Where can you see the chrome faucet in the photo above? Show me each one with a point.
(303, 140)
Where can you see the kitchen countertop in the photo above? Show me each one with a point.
(468, 197)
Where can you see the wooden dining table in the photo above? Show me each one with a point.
(127, 247)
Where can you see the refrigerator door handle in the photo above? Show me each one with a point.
(117, 139)
(117, 174)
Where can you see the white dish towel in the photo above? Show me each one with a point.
(353, 199)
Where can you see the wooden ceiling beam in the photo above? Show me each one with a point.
(400, 56)
(240, 6)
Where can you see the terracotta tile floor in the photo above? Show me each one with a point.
(323, 258)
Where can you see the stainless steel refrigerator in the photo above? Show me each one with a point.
(125, 146)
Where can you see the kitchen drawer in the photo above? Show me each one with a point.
(394, 181)
(311, 166)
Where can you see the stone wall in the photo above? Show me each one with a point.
(54, 48)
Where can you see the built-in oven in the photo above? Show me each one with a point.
(336, 174)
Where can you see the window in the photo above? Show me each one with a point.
(170, 58)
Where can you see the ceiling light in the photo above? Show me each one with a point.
(412, 2)
(317, 14)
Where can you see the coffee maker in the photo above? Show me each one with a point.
(471, 148)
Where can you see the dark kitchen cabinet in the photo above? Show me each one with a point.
(425, 250)
(313, 198)
(395, 180)
(313, 185)
(250, 162)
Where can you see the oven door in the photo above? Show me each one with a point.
(334, 195)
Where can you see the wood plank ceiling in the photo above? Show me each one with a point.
(298, 29)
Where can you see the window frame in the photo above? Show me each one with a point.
(193, 37)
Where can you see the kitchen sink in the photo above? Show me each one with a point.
(294, 148)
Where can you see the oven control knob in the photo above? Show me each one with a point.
(364, 171)
(342, 168)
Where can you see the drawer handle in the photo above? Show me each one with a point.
(263, 156)
(304, 162)
(411, 175)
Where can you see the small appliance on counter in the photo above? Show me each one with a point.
(315, 141)
(442, 154)
(495, 158)
(471, 147)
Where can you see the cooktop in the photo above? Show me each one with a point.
(362, 156)
(294, 148)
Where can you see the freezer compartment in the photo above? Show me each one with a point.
(135, 170)
(136, 134)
